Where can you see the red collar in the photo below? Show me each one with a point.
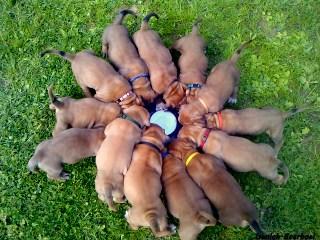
(204, 138)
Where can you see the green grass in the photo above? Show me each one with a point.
(280, 69)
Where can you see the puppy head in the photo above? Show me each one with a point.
(156, 132)
(210, 120)
(133, 99)
(189, 132)
(180, 147)
(175, 94)
(144, 90)
(139, 114)
(191, 114)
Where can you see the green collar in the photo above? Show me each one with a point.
(127, 117)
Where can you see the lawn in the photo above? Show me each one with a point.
(280, 68)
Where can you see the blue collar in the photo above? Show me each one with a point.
(194, 85)
(140, 75)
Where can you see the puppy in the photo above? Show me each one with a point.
(123, 54)
(81, 113)
(221, 84)
(193, 62)
(252, 121)
(114, 156)
(68, 147)
(163, 72)
(233, 207)
(185, 200)
(239, 153)
(142, 184)
(93, 73)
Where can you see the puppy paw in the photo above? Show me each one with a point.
(232, 100)
(126, 214)
(119, 199)
(64, 176)
(172, 228)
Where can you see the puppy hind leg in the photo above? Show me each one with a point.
(59, 127)
(273, 175)
(282, 179)
(277, 138)
(104, 50)
(233, 98)
(104, 191)
(54, 169)
(132, 218)
(118, 194)
(189, 230)
(33, 164)
(205, 219)
(88, 92)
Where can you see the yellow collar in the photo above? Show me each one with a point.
(191, 156)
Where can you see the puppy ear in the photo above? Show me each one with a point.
(147, 122)
(106, 130)
(139, 100)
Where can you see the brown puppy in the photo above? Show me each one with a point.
(234, 208)
(68, 147)
(81, 113)
(222, 83)
(163, 72)
(193, 62)
(123, 54)
(114, 156)
(142, 184)
(94, 73)
(175, 95)
(239, 153)
(185, 200)
(252, 121)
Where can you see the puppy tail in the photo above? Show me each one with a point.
(205, 218)
(33, 164)
(293, 112)
(195, 27)
(53, 98)
(237, 53)
(255, 226)
(65, 55)
(285, 171)
(145, 25)
(122, 13)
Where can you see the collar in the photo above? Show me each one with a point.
(124, 97)
(204, 138)
(218, 119)
(140, 75)
(151, 145)
(203, 104)
(220, 122)
(190, 158)
(127, 117)
(194, 85)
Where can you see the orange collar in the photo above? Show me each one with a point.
(218, 119)
(203, 104)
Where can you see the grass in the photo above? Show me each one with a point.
(280, 69)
